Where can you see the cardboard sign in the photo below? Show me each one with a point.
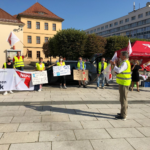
(81, 75)
(39, 77)
(61, 70)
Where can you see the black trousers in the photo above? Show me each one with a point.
(62, 79)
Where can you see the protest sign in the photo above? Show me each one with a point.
(39, 77)
(11, 79)
(80, 75)
(61, 70)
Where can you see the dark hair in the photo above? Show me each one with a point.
(60, 58)
(40, 58)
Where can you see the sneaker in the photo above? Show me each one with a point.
(65, 87)
(39, 90)
(107, 84)
(97, 88)
(79, 86)
(103, 87)
(84, 86)
(11, 92)
(5, 93)
(120, 117)
(60, 86)
(119, 114)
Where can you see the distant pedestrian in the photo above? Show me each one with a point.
(123, 78)
(40, 67)
(62, 78)
(8, 65)
(81, 65)
(100, 76)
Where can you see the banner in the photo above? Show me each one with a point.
(11, 79)
(80, 75)
(39, 77)
(61, 70)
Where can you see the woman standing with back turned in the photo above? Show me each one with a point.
(62, 78)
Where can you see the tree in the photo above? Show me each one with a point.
(94, 44)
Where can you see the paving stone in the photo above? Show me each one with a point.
(13, 100)
(135, 110)
(55, 118)
(136, 116)
(145, 131)
(109, 111)
(62, 111)
(91, 134)
(19, 137)
(64, 135)
(96, 124)
(143, 122)
(31, 146)
(140, 143)
(76, 106)
(1, 135)
(147, 115)
(72, 145)
(34, 127)
(82, 117)
(114, 106)
(12, 113)
(124, 132)
(138, 106)
(87, 111)
(111, 144)
(124, 124)
(37, 113)
(5, 119)
(27, 119)
(66, 126)
(8, 127)
(28, 107)
(4, 147)
(97, 106)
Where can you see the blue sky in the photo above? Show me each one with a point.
(78, 14)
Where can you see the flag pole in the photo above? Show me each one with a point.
(22, 43)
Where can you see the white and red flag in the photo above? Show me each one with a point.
(129, 48)
(12, 39)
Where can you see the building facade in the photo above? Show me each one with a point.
(40, 25)
(135, 25)
(8, 24)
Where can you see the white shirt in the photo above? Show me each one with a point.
(122, 68)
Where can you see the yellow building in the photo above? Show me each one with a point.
(40, 25)
(8, 24)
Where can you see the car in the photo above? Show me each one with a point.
(69, 78)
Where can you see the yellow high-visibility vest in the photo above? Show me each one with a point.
(58, 64)
(124, 78)
(78, 65)
(38, 66)
(100, 67)
(5, 65)
(18, 62)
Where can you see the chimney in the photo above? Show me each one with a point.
(134, 6)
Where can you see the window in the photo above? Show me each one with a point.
(30, 54)
(29, 39)
(94, 30)
(102, 28)
(54, 27)
(148, 13)
(46, 26)
(127, 20)
(106, 26)
(116, 23)
(121, 21)
(46, 39)
(29, 24)
(46, 56)
(91, 31)
(133, 18)
(37, 40)
(37, 25)
(140, 16)
(98, 29)
(111, 25)
(38, 54)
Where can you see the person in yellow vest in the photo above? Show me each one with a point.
(8, 65)
(19, 61)
(81, 66)
(40, 67)
(123, 78)
(100, 76)
(62, 78)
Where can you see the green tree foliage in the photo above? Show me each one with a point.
(115, 43)
(94, 44)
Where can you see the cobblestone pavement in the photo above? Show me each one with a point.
(74, 119)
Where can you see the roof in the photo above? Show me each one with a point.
(37, 10)
(6, 17)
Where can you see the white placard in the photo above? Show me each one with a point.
(39, 77)
(61, 70)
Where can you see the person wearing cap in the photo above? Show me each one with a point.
(40, 66)
(19, 61)
(8, 65)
